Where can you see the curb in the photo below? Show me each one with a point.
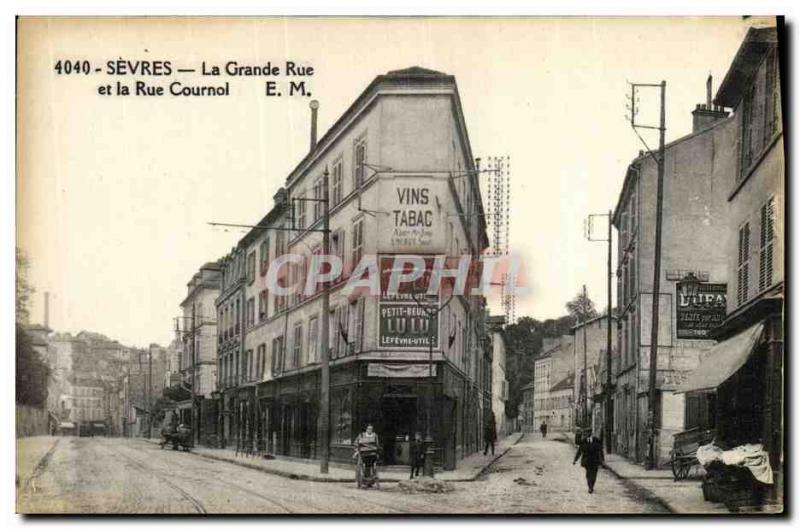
(650, 494)
(305, 477)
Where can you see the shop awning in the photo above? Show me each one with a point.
(722, 361)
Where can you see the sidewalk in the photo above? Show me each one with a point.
(680, 497)
(468, 469)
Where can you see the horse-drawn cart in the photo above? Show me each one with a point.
(684, 451)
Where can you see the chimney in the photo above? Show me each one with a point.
(314, 105)
(280, 197)
(705, 115)
(47, 310)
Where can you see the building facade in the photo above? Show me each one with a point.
(197, 365)
(401, 180)
(499, 386)
(551, 367)
(589, 346)
(694, 234)
(740, 380)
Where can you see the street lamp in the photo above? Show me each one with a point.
(690, 285)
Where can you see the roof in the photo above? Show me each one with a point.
(567, 382)
(755, 45)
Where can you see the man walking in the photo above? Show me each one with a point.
(590, 452)
(543, 429)
(489, 434)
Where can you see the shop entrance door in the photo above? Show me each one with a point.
(399, 419)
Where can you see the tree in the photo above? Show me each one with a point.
(581, 307)
(32, 373)
(24, 290)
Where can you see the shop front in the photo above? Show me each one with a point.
(742, 376)
(398, 399)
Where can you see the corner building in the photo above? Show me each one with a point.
(401, 181)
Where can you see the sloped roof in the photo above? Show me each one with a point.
(567, 383)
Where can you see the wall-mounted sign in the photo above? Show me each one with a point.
(700, 308)
(414, 219)
(401, 370)
(406, 326)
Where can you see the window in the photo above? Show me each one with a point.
(238, 317)
(760, 113)
(336, 185)
(263, 253)
(358, 325)
(358, 242)
(262, 360)
(251, 312)
(277, 355)
(263, 298)
(251, 267)
(743, 268)
(337, 246)
(318, 195)
(297, 345)
(765, 251)
(300, 210)
(313, 340)
(359, 159)
(248, 365)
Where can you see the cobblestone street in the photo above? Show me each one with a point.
(108, 475)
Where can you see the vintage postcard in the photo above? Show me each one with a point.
(375, 265)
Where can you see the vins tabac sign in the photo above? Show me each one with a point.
(700, 308)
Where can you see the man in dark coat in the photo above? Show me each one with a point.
(543, 429)
(590, 452)
(489, 434)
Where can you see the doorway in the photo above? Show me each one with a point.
(399, 419)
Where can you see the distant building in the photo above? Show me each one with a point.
(198, 359)
(560, 404)
(550, 367)
(589, 358)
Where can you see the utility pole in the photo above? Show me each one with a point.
(150, 392)
(323, 432)
(652, 396)
(586, 421)
(194, 369)
(608, 403)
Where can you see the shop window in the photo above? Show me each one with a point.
(341, 416)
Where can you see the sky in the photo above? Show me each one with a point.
(114, 193)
